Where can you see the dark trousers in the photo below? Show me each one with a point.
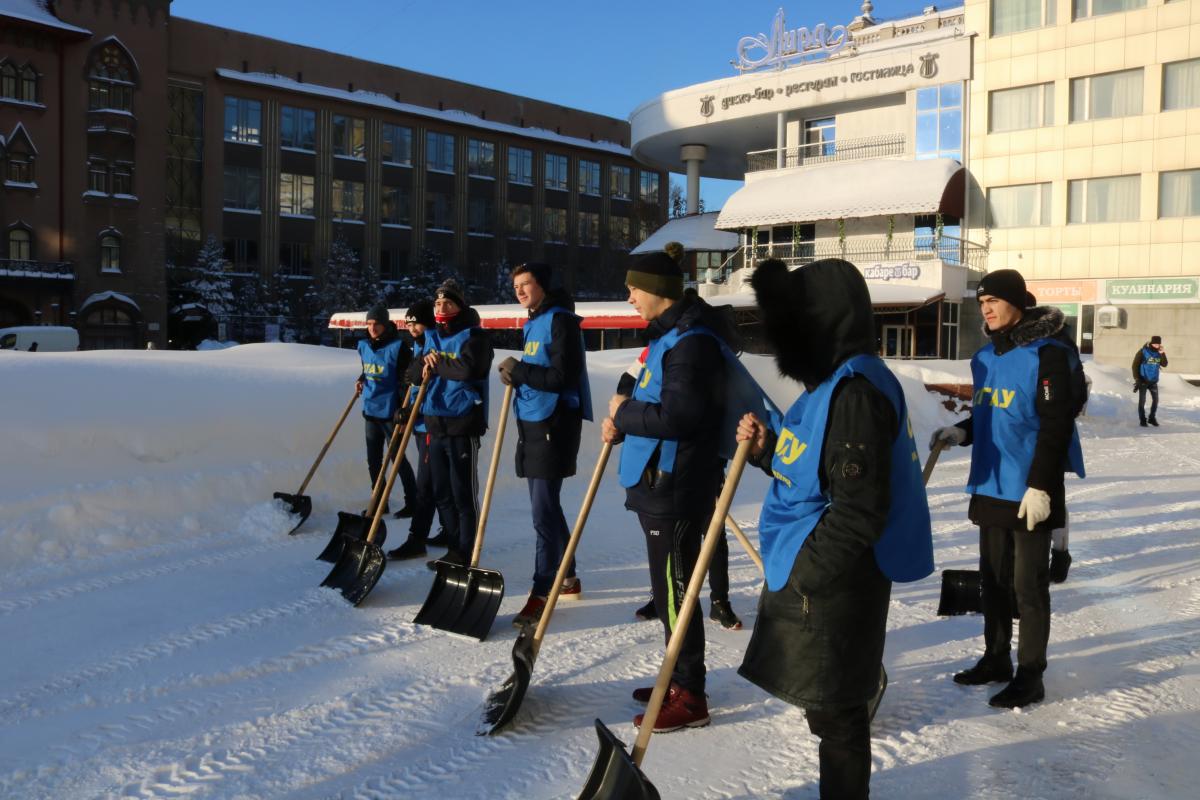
(453, 462)
(379, 434)
(1152, 388)
(673, 545)
(421, 500)
(550, 525)
(718, 570)
(844, 752)
(1016, 565)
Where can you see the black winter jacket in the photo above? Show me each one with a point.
(1055, 409)
(1138, 358)
(690, 411)
(474, 362)
(548, 448)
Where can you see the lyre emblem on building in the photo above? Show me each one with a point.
(929, 65)
(706, 105)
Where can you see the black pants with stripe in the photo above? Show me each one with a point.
(673, 545)
(453, 462)
(1014, 567)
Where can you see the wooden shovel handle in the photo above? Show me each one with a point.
(491, 478)
(746, 544)
(938, 447)
(392, 452)
(569, 553)
(395, 470)
(690, 600)
(313, 470)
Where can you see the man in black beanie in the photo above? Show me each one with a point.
(385, 357)
(1150, 358)
(1023, 437)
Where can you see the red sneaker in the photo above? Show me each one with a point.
(572, 589)
(680, 709)
(531, 613)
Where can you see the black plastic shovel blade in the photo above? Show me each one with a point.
(357, 571)
(350, 527)
(614, 776)
(960, 593)
(462, 600)
(503, 704)
(297, 504)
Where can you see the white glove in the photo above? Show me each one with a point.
(1035, 507)
(952, 435)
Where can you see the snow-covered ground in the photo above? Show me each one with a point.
(163, 636)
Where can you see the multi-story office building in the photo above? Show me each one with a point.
(128, 141)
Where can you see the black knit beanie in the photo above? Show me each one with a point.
(540, 271)
(379, 313)
(656, 273)
(450, 290)
(1155, 340)
(421, 312)
(1007, 284)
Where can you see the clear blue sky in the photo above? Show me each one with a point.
(607, 56)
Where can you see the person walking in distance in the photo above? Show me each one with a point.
(1147, 362)
(1023, 438)
(385, 357)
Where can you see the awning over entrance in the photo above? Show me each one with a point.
(886, 296)
(696, 232)
(857, 189)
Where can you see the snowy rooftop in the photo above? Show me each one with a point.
(694, 232)
(38, 12)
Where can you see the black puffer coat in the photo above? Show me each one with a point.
(818, 641)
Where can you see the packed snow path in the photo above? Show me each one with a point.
(164, 637)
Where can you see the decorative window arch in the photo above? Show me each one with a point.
(8, 80)
(112, 77)
(110, 250)
(20, 242)
(20, 157)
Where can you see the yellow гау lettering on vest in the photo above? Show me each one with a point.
(645, 378)
(999, 398)
(531, 348)
(789, 448)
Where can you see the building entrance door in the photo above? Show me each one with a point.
(898, 341)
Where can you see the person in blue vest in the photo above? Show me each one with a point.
(551, 399)
(385, 357)
(418, 320)
(1150, 358)
(844, 517)
(457, 361)
(1023, 438)
(670, 462)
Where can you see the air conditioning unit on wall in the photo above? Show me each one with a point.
(1110, 317)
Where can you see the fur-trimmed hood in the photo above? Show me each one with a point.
(1036, 323)
(815, 316)
(559, 298)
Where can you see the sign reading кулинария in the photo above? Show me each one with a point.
(1162, 289)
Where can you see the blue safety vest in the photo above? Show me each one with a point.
(796, 502)
(447, 398)
(1005, 422)
(381, 374)
(1151, 361)
(535, 405)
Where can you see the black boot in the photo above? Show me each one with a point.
(405, 512)
(647, 611)
(722, 612)
(441, 540)
(1153, 422)
(412, 548)
(1026, 688)
(1143, 423)
(1060, 562)
(990, 669)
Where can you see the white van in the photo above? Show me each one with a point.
(42, 338)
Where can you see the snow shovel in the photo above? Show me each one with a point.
(502, 705)
(300, 503)
(362, 561)
(354, 526)
(746, 543)
(464, 599)
(617, 774)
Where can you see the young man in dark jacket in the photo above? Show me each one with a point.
(845, 516)
(385, 357)
(670, 464)
(1150, 358)
(1023, 437)
(551, 400)
(457, 361)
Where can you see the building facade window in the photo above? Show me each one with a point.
(556, 172)
(939, 122)
(1082, 9)
(110, 253)
(241, 255)
(950, 330)
(349, 136)
(1179, 193)
(1022, 206)
(8, 81)
(648, 187)
(620, 179)
(18, 84)
(439, 152)
(396, 144)
(1116, 94)
(520, 220)
(295, 258)
(520, 166)
(298, 128)
(1021, 108)
(480, 212)
(820, 137)
(589, 228)
(1012, 16)
(185, 171)
(1181, 84)
(122, 178)
(555, 223)
(20, 244)
(618, 233)
(110, 80)
(439, 211)
(589, 177)
(243, 120)
(395, 206)
(296, 195)
(347, 200)
(97, 175)
(391, 263)
(19, 168)
(1113, 199)
(481, 158)
(242, 186)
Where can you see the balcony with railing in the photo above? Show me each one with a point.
(886, 145)
(50, 270)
